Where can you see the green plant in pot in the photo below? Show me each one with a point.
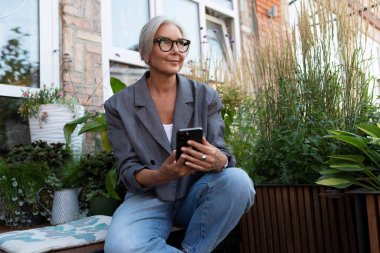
(47, 110)
(96, 174)
(23, 172)
(106, 178)
(362, 169)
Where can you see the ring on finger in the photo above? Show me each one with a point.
(203, 157)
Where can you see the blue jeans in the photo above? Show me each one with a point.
(212, 208)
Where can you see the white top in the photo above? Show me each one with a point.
(168, 130)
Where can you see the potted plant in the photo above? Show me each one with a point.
(23, 172)
(96, 174)
(362, 170)
(47, 110)
(95, 122)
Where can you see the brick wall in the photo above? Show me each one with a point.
(81, 51)
(254, 21)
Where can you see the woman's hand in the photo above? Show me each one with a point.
(203, 156)
(170, 170)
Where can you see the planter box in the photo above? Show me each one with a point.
(368, 220)
(298, 219)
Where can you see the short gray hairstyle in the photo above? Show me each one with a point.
(149, 31)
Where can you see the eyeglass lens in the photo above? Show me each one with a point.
(166, 44)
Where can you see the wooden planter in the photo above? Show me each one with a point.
(298, 219)
(368, 220)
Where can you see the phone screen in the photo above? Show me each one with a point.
(185, 134)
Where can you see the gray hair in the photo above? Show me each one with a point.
(149, 31)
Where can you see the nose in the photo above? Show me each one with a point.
(175, 47)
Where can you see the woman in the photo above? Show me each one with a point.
(202, 191)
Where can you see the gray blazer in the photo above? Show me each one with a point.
(138, 136)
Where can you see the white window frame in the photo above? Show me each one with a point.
(49, 49)
(224, 31)
(155, 8)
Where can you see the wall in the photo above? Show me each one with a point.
(254, 21)
(81, 51)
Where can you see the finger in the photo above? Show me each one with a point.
(196, 153)
(171, 158)
(197, 146)
(205, 142)
(195, 166)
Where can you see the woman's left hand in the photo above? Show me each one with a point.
(203, 156)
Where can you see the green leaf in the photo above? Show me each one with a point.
(117, 85)
(111, 182)
(339, 132)
(355, 141)
(106, 144)
(69, 128)
(336, 182)
(348, 167)
(329, 171)
(370, 129)
(93, 126)
(354, 158)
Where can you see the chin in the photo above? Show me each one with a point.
(171, 71)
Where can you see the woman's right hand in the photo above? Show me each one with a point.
(172, 169)
(169, 171)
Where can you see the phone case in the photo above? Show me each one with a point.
(185, 134)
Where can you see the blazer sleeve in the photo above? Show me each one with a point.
(216, 128)
(123, 151)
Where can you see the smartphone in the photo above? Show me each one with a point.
(185, 134)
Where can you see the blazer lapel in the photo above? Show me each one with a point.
(148, 114)
(184, 107)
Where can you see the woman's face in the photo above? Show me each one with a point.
(170, 62)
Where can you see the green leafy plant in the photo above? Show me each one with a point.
(95, 173)
(361, 169)
(32, 100)
(303, 81)
(93, 122)
(96, 123)
(53, 156)
(19, 184)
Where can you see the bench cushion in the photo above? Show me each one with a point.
(77, 233)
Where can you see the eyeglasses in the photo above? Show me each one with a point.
(166, 44)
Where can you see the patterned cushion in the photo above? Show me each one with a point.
(77, 233)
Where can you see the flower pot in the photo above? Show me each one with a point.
(50, 122)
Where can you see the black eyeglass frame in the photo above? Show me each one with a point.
(186, 43)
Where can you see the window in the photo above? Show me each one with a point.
(186, 14)
(13, 130)
(28, 44)
(219, 48)
(126, 18)
(29, 58)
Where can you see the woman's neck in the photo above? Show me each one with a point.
(159, 83)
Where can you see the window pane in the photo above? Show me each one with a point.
(19, 43)
(217, 45)
(128, 17)
(13, 130)
(185, 12)
(225, 3)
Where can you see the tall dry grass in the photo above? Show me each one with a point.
(302, 81)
